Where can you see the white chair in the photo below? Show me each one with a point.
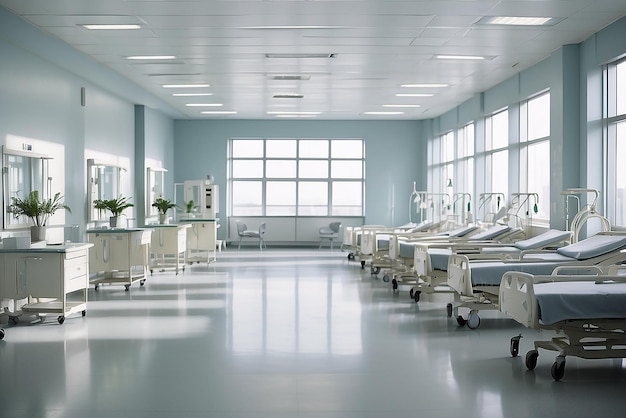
(330, 232)
(244, 232)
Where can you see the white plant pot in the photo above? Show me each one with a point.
(37, 233)
(163, 218)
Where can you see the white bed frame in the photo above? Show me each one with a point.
(589, 339)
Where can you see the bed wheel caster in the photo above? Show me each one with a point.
(386, 278)
(558, 368)
(416, 296)
(362, 264)
(141, 282)
(127, 287)
(394, 284)
(448, 309)
(375, 270)
(350, 256)
(461, 321)
(83, 313)
(473, 320)
(1, 333)
(96, 287)
(531, 359)
(514, 347)
(60, 320)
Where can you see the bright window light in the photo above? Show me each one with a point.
(401, 105)
(424, 85)
(204, 104)
(460, 57)
(414, 95)
(219, 112)
(191, 94)
(293, 113)
(383, 113)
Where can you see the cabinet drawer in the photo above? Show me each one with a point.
(75, 270)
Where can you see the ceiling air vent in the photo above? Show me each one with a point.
(289, 77)
(300, 55)
(288, 96)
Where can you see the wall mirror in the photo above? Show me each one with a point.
(103, 182)
(22, 173)
(155, 187)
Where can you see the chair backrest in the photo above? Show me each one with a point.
(262, 228)
(335, 226)
(241, 227)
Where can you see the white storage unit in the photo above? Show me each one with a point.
(119, 256)
(201, 239)
(168, 248)
(42, 278)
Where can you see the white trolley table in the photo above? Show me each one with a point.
(201, 239)
(168, 248)
(119, 255)
(44, 277)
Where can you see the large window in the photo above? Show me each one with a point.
(535, 152)
(615, 122)
(296, 177)
(497, 155)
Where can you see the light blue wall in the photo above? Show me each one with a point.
(395, 156)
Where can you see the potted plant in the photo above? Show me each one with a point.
(163, 205)
(189, 207)
(115, 206)
(39, 211)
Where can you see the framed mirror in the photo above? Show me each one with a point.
(155, 187)
(103, 182)
(22, 173)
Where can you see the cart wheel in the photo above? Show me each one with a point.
(411, 294)
(96, 287)
(13, 320)
(362, 264)
(127, 287)
(416, 296)
(386, 278)
(558, 368)
(375, 270)
(1, 333)
(83, 313)
(141, 282)
(514, 345)
(61, 319)
(449, 310)
(394, 284)
(531, 359)
(473, 320)
(151, 271)
(350, 256)
(460, 320)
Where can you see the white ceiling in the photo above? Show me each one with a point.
(377, 45)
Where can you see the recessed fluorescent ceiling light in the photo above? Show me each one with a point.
(383, 113)
(460, 57)
(191, 94)
(292, 27)
(151, 57)
(204, 104)
(288, 96)
(184, 86)
(110, 27)
(300, 55)
(424, 85)
(296, 116)
(414, 95)
(517, 21)
(401, 105)
(219, 112)
(294, 113)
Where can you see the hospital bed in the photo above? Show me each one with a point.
(431, 259)
(422, 275)
(476, 282)
(589, 310)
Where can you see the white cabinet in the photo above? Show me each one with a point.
(119, 256)
(201, 239)
(44, 277)
(168, 248)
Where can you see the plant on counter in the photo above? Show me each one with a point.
(163, 205)
(39, 211)
(115, 206)
(190, 206)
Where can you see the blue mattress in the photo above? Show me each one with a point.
(560, 301)
(490, 273)
(439, 258)
(406, 249)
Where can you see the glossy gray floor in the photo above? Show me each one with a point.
(298, 333)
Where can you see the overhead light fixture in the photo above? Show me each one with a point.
(300, 55)
(383, 113)
(293, 113)
(288, 96)
(191, 94)
(184, 86)
(414, 95)
(204, 104)
(433, 85)
(111, 26)
(292, 27)
(219, 112)
(460, 57)
(402, 105)
(518, 21)
(296, 116)
(151, 57)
